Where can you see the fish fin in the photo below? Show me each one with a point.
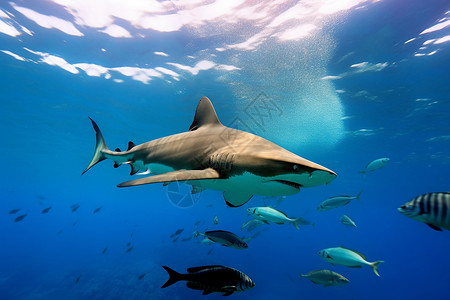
(206, 292)
(99, 147)
(116, 165)
(355, 267)
(434, 227)
(236, 199)
(265, 221)
(359, 195)
(360, 254)
(134, 170)
(180, 175)
(327, 284)
(197, 269)
(374, 266)
(130, 145)
(204, 115)
(296, 222)
(173, 277)
(117, 150)
(229, 290)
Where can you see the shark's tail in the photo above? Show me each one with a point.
(374, 266)
(99, 147)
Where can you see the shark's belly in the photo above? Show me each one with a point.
(249, 184)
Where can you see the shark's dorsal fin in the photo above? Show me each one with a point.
(204, 115)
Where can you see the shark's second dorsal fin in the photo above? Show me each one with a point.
(204, 115)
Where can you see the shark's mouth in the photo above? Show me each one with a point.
(289, 183)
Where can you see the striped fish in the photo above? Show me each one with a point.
(211, 279)
(432, 209)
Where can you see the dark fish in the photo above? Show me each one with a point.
(128, 245)
(98, 209)
(14, 211)
(226, 238)
(74, 207)
(210, 279)
(186, 239)
(129, 249)
(196, 223)
(59, 232)
(20, 218)
(46, 210)
(78, 279)
(432, 209)
(104, 250)
(210, 251)
(216, 220)
(326, 278)
(141, 276)
(175, 239)
(177, 232)
(131, 234)
(74, 223)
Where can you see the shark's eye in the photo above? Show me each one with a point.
(295, 167)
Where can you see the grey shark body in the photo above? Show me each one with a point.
(213, 156)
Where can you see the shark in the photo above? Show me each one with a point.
(213, 156)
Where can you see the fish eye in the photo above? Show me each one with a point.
(403, 206)
(295, 167)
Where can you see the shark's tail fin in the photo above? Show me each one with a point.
(374, 266)
(99, 147)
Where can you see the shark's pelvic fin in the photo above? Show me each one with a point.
(99, 147)
(181, 175)
(204, 115)
(236, 198)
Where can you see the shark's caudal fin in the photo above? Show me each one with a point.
(204, 115)
(100, 145)
(173, 277)
(374, 266)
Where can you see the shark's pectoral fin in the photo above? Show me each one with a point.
(181, 175)
(236, 198)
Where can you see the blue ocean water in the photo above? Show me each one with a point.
(340, 83)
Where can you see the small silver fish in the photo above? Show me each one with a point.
(375, 165)
(226, 238)
(347, 221)
(337, 201)
(326, 278)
